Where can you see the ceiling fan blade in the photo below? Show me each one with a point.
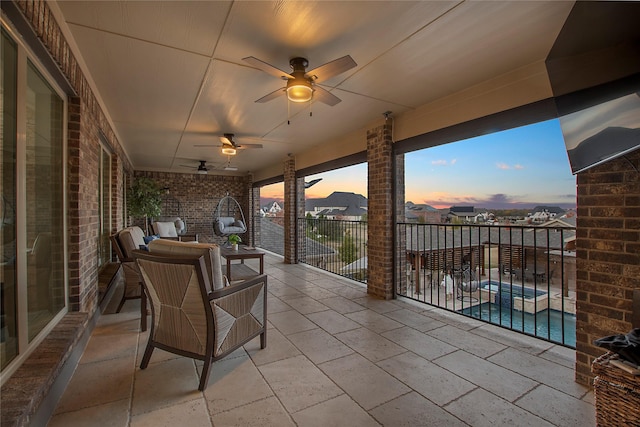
(325, 96)
(228, 141)
(273, 95)
(244, 146)
(267, 68)
(207, 145)
(330, 69)
(188, 166)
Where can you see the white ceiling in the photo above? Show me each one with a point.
(171, 75)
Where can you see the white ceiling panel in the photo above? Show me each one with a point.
(171, 73)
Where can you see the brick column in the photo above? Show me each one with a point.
(380, 244)
(607, 256)
(290, 212)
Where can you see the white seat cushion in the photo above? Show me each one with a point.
(166, 229)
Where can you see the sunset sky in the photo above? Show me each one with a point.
(517, 168)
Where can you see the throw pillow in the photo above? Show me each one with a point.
(151, 238)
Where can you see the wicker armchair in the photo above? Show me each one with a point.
(192, 318)
(124, 243)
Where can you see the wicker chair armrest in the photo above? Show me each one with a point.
(239, 286)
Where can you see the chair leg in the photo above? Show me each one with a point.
(143, 309)
(204, 378)
(263, 339)
(124, 298)
(147, 355)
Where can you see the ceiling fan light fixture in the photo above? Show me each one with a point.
(229, 151)
(299, 91)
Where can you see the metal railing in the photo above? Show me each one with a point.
(337, 246)
(519, 277)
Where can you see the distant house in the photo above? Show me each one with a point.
(543, 214)
(461, 213)
(421, 213)
(338, 205)
(271, 209)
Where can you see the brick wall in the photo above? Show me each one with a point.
(85, 121)
(380, 247)
(199, 196)
(608, 255)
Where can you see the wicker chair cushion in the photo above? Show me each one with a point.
(130, 238)
(209, 250)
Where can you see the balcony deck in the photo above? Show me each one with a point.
(334, 357)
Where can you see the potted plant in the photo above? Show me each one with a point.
(144, 199)
(234, 239)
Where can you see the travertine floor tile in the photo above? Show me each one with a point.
(419, 343)
(483, 409)
(541, 370)
(412, 410)
(468, 341)
(342, 305)
(165, 384)
(278, 348)
(437, 384)
(505, 383)
(332, 321)
(234, 382)
(374, 321)
(192, 413)
(319, 346)
(263, 413)
(371, 345)
(558, 408)
(365, 382)
(339, 411)
(298, 383)
(113, 414)
(290, 322)
(98, 383)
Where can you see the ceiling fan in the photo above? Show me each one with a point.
(302, 84)
(200, 169)
(229, 146)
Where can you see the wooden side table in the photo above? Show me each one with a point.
(238, 271)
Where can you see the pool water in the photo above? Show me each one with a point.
(546, 324)
(513, 289)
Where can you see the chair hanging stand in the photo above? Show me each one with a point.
(228, 218)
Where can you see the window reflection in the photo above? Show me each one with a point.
(8, 321)
(44, 207)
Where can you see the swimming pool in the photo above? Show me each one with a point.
(546, 324)
(515, 290)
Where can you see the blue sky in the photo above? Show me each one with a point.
(517, 168)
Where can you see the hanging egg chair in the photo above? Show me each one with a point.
(228, 218)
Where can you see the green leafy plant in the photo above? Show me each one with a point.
(234, 239)
(144, 199)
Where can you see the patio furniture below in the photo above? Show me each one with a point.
(194, 314)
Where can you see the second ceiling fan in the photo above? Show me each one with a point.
(229, 146)
(302, 84)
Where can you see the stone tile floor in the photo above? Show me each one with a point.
(334, 357)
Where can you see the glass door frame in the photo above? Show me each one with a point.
(26, 346)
